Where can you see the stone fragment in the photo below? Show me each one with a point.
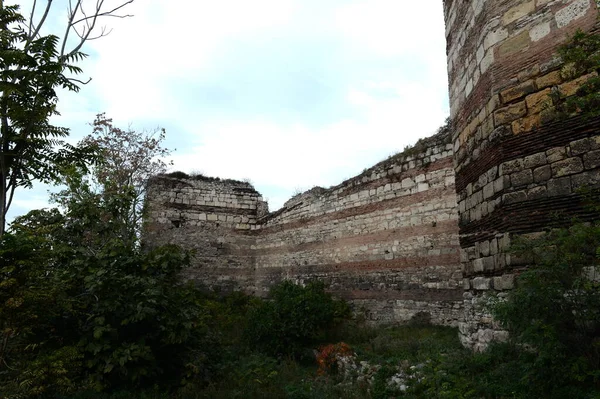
(567, 167)
(540, 31)
(494, 37)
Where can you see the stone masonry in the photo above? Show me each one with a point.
(386, 240)
(516, 164)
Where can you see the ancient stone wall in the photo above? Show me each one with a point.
(387, 240)
(212, 217)
(516, 164)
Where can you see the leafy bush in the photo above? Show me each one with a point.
(554, 311)
(295, 318)
(77, 313)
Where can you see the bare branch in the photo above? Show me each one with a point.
(72, 13)
(31, 18)
(80, 81)
(39, 25)
(108, 13)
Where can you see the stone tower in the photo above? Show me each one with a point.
(515, 165)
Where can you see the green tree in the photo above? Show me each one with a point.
(126, 160)
(32, 68)
(82, 307)
(554, 310)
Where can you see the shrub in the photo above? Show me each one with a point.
(554, 311)
(295, 318)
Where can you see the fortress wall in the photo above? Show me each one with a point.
(516, 164)
(212, 217)
(386, 240)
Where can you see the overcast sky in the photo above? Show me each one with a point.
(287, 93)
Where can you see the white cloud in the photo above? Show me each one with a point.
(287, 93)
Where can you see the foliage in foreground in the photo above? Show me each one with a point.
(555, 309)
(295, 318)
(103, 317)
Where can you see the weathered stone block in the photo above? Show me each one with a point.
(518, 11)
(570, 88)
(539, 101)
(488, 190)
(536, 192)
(535, 160)
(515, 44)
(542, 173)
(526, 124)
(510, 113)
(481, 283)
(567, 167)
(589, 178)
(519, 91)
(517, 196)
(504, 282)
(501, 182)
(548, 80)
(478, 266)
(521, 178)
(556, 154)
(484, 248)
(560, 186)
(510, 167)
(582, 146)
(592, 159)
